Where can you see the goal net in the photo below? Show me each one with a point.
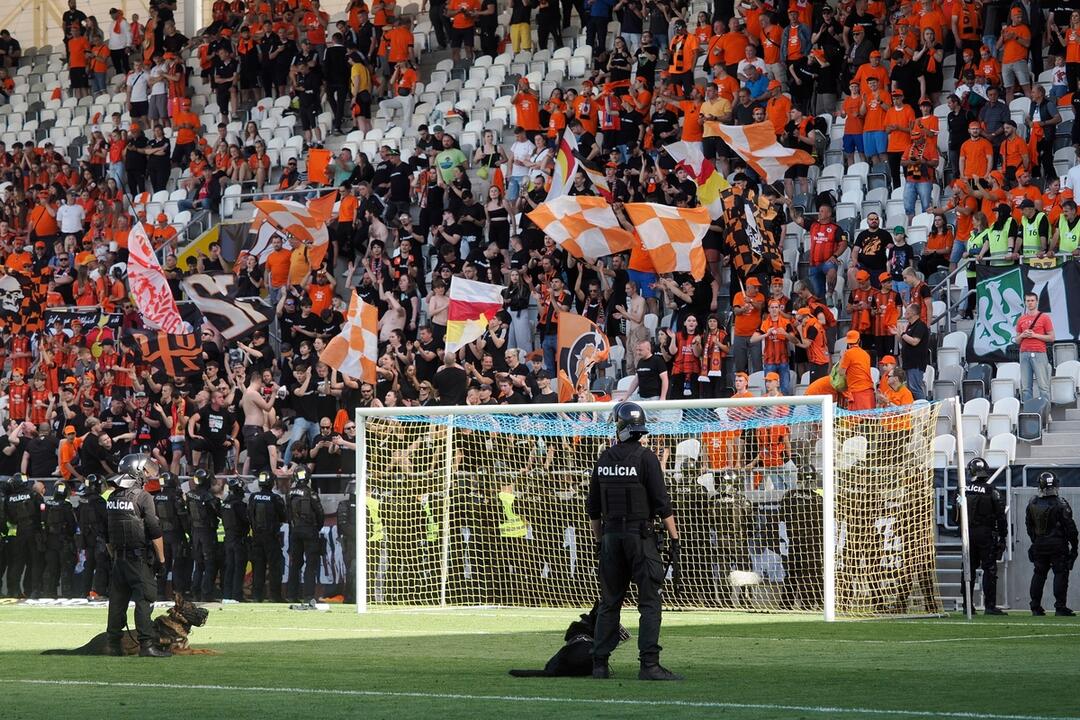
(781, 503)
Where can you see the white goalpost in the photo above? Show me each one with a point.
(783, 504)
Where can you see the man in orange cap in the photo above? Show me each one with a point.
(859, 302)
(746, 306)
(976, 154)
(1014, 43)
(775, 333)
(885, 366)
(855, 369)
(811, 337)
(899, 120)
(187, 124)
(778, 108)
(885, 306)
(920, 161)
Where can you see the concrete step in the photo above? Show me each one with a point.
(1048, 452)
(1072, 414)
(1064, 426)
(1051, 439)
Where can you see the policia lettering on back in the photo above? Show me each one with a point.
(626, 491)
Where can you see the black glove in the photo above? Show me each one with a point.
(597, 545)
(673, 553)
(159, 569)
(1031, 554)
(1000, 549)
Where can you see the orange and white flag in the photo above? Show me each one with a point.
(672, 236)
(757, 145)
(583, 225)
(355, 351)
(299, 224)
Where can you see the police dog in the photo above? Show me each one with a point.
(574, 658)
(172, 628)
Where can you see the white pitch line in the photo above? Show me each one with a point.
(541, 699)
(887, 642)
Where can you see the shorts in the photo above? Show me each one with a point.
(159, 106)
(853, 144)
(795, 171)
(875, 142)
(644, 282)
(78, 77)
(308, 118)
(140, 109)
(363, 104)
(462, 37)
(1018, 73)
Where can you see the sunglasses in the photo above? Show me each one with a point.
(324, 427)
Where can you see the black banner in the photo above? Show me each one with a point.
(233, 317)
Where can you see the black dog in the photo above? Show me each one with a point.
(574, 658)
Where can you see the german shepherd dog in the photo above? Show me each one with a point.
(574, 658)
(172, 629)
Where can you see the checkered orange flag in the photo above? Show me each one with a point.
(582, 225)
(672, 236)
(355, 351)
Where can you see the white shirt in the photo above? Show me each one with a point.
(159, 88)
(137, 82)
(119, 40)
(520, 152)
(1072, 179)
(744, 64)
(70, 218)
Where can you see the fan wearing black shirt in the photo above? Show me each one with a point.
(651, 377)
(226, 70)
(451, 381)
(336, 64)
(213, 429)
(869, 250)
(325, 450)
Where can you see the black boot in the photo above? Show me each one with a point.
(655, 671)
(149, 649)
(1064, 612)
(994, 611)
(113, 648)
(601, 670)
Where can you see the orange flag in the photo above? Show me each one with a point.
(318, 160)
(582, 344)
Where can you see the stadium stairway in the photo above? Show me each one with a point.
(950, 572)
(1059, 441)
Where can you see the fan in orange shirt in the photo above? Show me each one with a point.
(855, 368)
(527, 107)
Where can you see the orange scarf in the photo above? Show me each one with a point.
(119, 19)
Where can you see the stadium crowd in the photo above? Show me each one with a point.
(77, 399)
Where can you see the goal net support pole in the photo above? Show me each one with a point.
(961, 483)
(783, 503)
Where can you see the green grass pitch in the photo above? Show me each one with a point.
(401, 664)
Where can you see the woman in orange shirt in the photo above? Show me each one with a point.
(703, 29)
(1070, 38)
(259, 164)
(939, 245)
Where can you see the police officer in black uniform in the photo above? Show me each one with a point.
(305, 513)
(266, 513)
(23, 552)
(346, 530)
(205, 511)
(1052, 530)
(92, 519)
(626, 491)
(987, 531)
(234, 517)
(801, 510)
(60, 527)
(134, 541)
(173, 517)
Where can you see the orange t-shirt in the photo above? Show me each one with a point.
(461, 21)
(77, 49)
(854, 123)
(974, 154)
(186, 135)
(727, 87)
(692, 128)
(734, 45)
(746, 325)
(1013, 51)
(856, 362)
(867, 71)
(714, 50)
(42, 223)
(770, 44)
(775, 351)
(586, 111)
(1013, 151)
(1072, 46)
(347, 209)
(940, 241)
(528, 111)
(777, 110)
(874, 119)
(398, 40)
(904, 116)
(277, 264)
(321, 297)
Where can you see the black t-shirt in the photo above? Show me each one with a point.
(136, 160)
(215, 425)
(173, 43)
(451, 384)
(224, 69)
(92, 455)
(41, 454)
(400, 178)
(9, 464)
(916, 356)
(872, 245)
(258, 449)
(520, 12)
(648, 375)
(326, 463)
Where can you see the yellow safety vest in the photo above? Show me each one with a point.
(1068, 238)
(1032, 245)
(430, 526)
(513, 526)
(974, 245)
(999, 245)
(221, 532)
(375, 526)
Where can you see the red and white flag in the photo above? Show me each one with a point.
(583, 225)
(148, 284)
(711, 184)
(472, 304)
(672, 236)
(757, 145)
(566, 166)
(355, 351)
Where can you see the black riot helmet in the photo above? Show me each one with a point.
(1048, 483)
(629, 419)
(202, 479)
(301, 477)
(978, 469)
(236, 485)
(350, 489)
(91, 484)
(60, 491)
(169, 480)
(19, 482)
(265, 480)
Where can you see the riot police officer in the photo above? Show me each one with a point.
(24, 556)
(173, 517)
(60, 527)
(234, 518)
(625, 492)
(1052, 530)
(134, 541)
(92, 519)
(266, 513)
(346, 531)
(987, 531)
(801, 510)
(305, 513)
(205, 511)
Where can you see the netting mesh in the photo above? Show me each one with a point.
(505, 524)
